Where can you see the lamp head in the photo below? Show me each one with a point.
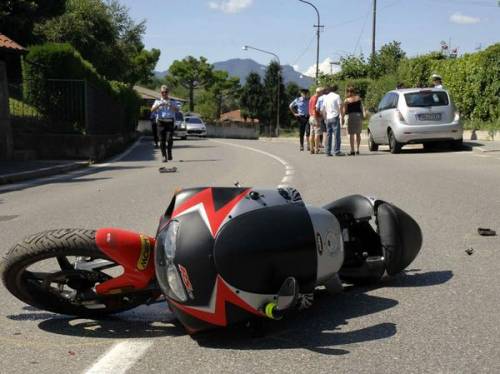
(245, 48)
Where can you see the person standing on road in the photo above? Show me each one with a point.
(355, 112)
(331, 108)
(154, 128)
(315, 120)
(300, 109)
(323, 137)
(437, 81)
(165, 109)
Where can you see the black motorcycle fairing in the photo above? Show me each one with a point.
(400, 236)
(258, 250)
(357, 207)
(395, 238)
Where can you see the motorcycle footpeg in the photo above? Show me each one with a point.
(287, 298)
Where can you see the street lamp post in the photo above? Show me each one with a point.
(318, 26)
(246, 48)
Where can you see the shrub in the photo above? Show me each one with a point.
(130, 102)
(61, 61)
(377, 89)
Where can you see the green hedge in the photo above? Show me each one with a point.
(474, 83)
(473, 80)
(62, 61)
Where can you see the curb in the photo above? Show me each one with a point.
(44, 172)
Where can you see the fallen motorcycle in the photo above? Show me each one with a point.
(220, 256)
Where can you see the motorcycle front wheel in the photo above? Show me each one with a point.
(58, 270)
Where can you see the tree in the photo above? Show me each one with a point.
(18, 17)
(191, 74)
(106, 36)
(252, 97)
(272, 78)
(223, 86)
(353, 67)
(386, 60)
(219, 96)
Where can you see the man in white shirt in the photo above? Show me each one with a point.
(331, 107)
(437, 81)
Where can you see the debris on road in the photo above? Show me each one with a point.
(469, 251)
(483, 231)
(164, 169)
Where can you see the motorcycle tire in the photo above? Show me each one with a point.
(73, 293)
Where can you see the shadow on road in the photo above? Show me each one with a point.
(437, 149)
(318, 329)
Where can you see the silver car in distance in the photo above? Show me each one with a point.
(195, 126)
(416, 115)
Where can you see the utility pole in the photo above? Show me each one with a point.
(374, 27)
(318, 27)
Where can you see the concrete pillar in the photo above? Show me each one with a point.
(6, 142)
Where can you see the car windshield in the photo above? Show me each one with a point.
(193, 120)
(426, 98)
(179, 116)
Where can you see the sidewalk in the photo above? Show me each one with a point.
(17, 171)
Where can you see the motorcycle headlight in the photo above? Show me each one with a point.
(175, 283)
(166, 271)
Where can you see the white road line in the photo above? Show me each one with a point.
(289, 169)
(119, 358)
(476, 155)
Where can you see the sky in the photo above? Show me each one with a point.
(217, 29)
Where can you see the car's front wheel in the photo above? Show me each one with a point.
(394, 145)
(372, 146)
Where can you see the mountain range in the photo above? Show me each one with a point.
(240, 68)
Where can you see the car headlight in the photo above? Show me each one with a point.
(166, 271)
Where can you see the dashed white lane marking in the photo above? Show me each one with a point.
(289, 169)
(120, 358)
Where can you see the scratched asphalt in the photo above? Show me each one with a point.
(441, 315)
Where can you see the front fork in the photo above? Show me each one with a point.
(134, 252)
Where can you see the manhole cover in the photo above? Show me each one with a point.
(7, 218)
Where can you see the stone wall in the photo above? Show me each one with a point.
(6, 143)
(234, 130)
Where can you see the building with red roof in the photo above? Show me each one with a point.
(10, 53)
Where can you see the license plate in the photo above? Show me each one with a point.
(429, 117)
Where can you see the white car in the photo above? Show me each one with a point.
(195, 126)
(180, 126)
(416, 115)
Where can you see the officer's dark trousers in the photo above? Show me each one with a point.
(166, 128)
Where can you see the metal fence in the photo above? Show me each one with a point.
(54, 105)
(64, 106)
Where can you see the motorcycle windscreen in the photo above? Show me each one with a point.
(258, 250)
(400, 236)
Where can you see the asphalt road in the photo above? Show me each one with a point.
(441, 316)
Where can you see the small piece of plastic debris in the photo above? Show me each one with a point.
(164, 169)
(483, 231)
